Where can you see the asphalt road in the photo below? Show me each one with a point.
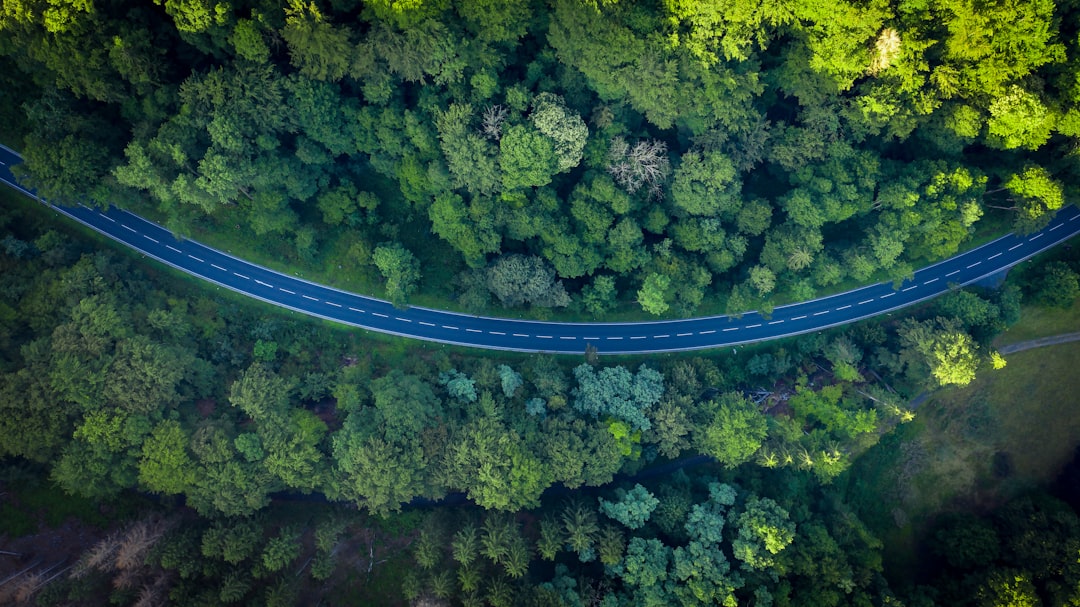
(567, 338)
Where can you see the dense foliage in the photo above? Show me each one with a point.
(658, 151)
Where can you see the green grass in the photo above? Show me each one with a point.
(1042, 322)
(970, 448)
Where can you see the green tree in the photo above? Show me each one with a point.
(165, 466)
(732, 432)
(632, 508)
(615, 392)
(526, 157)
(654, 293)
(518, 279)
(400, 268)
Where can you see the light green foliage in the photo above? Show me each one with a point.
(632, 508)
(495, 469)
(458, 385)
(379, 475)
(260, 393)
(733, 432)
(510, 380)
(1019, 119)
(400, 268)
(566, 129)
(942, 348)
(165, 466)
(406, 404)
(518, 279)
(281, 550)
(1057, 285)
(317, 48)
(706, 184)
(616, 392)
(599, 296)
(1037, 195)
(653, 293)
(526, 158)
(764, 532)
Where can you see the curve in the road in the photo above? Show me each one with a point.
(564, 338)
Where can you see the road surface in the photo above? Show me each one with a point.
(565, 338)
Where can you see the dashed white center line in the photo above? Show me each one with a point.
(521, 334)
(195, 258)
(1056, 227)
(709, 332)
(214, 265)
(994, 256)
(496, 332)
(798, 317)
(362, 312)
(974, 264)
(264, 284)
(402, 319)
(1035, 237)
(240, 276)
(106, 217)
(661, 336)
(473, 331)
(1074, 218)
(1016, 246)
(567, 337)
(776, 322)
(426, 324)
(865, 301)
(753, 326)
(309, 297)
(614, 338)
(384, 315)
(590, 338)
(544, 336)
(731, 329)
(821, 312)
(638, 337)
(287, 291)
(172, 248)
(953, 273)
(150, 239)
(910, 288)
(330, 303)
(450, 327)
(932, 280)
(683, 334)
(843, 307)
(887, 295)
(126, 227)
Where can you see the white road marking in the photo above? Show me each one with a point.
(731, 329)
(974, 264)
(821, 312)
(887, 295)
(614, 338)
(799, 317)
(1074, 218)
(661, 336)
(496, 332)
(362, 312)
(544, 336)
(3, 163)
(753, 326)
(638, 337)
(993, 256)
(241, 276)
(399, 318)
(214, 265)
(84, 206)
(450, 327)
(590, 338)
(309, 297)
(172, 248)
(861, 303)
(521, 335)
(106, 217)
(126, 227)
(930, 281)
(1035, 237)
(953, 273)
(776, 322)
(473, 331)
(150, 239)
(1056, 227)
(195, 258)
(1016, 246)
(684, 334)
(709, 332)
(910, 288)
(426, 324)
(384, 315)
(567, 337)
(264, 284)
(843, 307)
(330, 303)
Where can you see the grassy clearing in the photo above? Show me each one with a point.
(1042, 322)
(970, 448)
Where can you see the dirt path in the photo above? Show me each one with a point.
(1020, 346)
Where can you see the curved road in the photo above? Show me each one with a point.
(564, 338)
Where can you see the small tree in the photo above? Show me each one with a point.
(400, 268)
(632, 508)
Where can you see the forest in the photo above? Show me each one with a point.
(566, 159)
(599, 155)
